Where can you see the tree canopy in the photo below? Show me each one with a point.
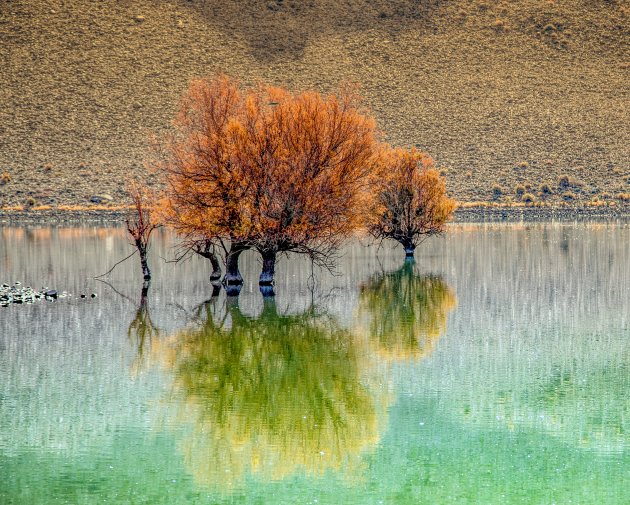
(267, 169)
(411, 202)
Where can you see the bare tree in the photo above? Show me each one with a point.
(141, 224)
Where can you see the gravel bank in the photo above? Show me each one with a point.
(462, 215)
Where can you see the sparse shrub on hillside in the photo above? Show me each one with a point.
(499, 25)
(564, 182)
(606, 195)
(30, 201)
(624, 197)
(528, 198)
(568, 196)
(523, 164)
(5, 178)
(545, 188)
(47, 167)
(497, 191)
(519, 190)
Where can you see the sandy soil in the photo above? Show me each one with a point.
(511, 98)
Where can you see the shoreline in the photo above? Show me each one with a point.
(468, 214)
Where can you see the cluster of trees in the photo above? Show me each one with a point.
(278, 172)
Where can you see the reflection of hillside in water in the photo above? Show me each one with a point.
(407, 312)
(271, 395)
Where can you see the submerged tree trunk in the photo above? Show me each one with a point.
(216, 290)
(232, 274)
(206, 249)
(409, 246)
(270, 309)
(267, 291)
(233, 290)
(216, 267)
(268, 267)
(146, 272)
(145, 292)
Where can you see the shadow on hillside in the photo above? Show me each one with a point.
(276, 29)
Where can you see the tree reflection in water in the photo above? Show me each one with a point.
(271, 395)
(407, 312)
(278, 394)
(141, 329)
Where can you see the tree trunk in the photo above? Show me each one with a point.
(267, 291)
(233, 290)
(216, 290)
(268, 268)
(145, 292)
(143, 261)
(409, 246)
(206, 250)
(216, 267)
(233, 275)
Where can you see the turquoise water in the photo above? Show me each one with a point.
(495, 369)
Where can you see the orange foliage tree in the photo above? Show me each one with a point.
(411, 202)
(204, 187)
(269, 170)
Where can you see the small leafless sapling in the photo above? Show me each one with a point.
(140, 225)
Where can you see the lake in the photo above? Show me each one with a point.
(494, 369)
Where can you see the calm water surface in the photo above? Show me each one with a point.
(496, 369)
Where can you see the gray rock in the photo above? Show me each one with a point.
(101, 198)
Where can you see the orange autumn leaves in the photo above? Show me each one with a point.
(278, 172)
(411, 202)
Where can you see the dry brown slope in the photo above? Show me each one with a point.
(482, 85)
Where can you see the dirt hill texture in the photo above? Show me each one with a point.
(516, 100)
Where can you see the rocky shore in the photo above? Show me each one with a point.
(540, 214)
(481, 214)
(19, 294)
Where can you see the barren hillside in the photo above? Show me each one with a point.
(502, 93)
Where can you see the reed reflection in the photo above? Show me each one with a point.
(407, 312)
(271, 395)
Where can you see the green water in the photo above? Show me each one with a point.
(495, 369)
